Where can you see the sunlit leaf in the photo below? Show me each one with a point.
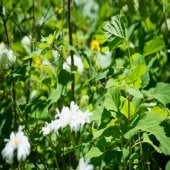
(161, 93)
(55, 94)
(154, 46)
(151, 123)
(134, 92)
(134, 78)
(127, 106)
(116, 30)
(93, 152)
(167, 166)
(112, 99)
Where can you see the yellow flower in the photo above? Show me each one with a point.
(95, 45)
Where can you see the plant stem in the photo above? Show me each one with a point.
(71, 136)
(128, 108)
(30, 61)
(141, 152)
(6, 31)
(13, 83)
(130, 142)
(129, 56)
(71, 51)
(53, 151)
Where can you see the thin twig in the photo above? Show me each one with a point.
(71, 51)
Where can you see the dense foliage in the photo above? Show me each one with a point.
(85, 84)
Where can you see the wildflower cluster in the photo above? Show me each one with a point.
(72, 117)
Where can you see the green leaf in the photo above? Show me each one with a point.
(151, 123)
(126, 105)
(167, 166)
(116, 30)
(55, 94)
(154, 46)
(112, 99)
(131, 29)
(134, 92)
(138, 64)
(93, 152)
(64, 77)
(50, 39)
(147, 140)
(161, 93)
(134, 78)
(97, 114)
(1, 126)
(98, 133)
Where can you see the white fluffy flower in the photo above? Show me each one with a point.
(77, 62)
(84, 165)
(78, 118)
(19, 142)
(72, 117)
(26, 43)
(7, 57)
(53, 126)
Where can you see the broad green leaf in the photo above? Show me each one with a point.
(167, 166)
(137, 59)
(97, 114)
(161, 93)
(93, 152)
(145, 78)
(134, 92)
(98, 133)
(112, 99)
(101, 75)
(97, 76)
(154, 46)
(55, 94)
(126, 107)
(100, 35)
(116, 30)
(64, 77)
(131, 29)
(151, 123)
(134, 78)
(147, 140)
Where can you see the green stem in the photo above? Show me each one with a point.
(71, 51)
(74, 145)
(129, 56)
(30, 61)
(130, 142)
(54, 154)
(13, 83)
(72, 138)
(128, 108)
(141, 152)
